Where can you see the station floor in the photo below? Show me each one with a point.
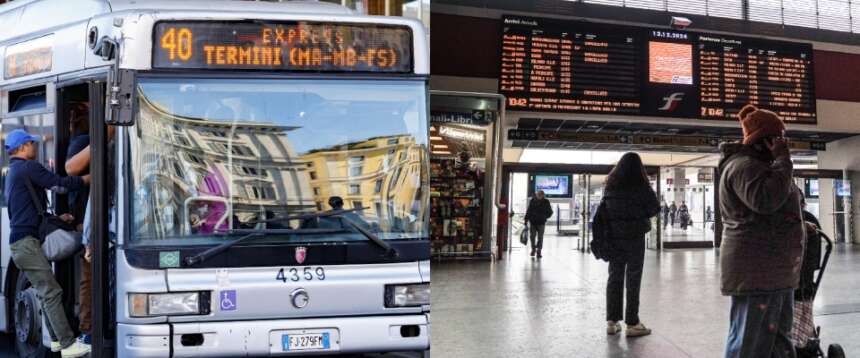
(693, 233)
(555, 307)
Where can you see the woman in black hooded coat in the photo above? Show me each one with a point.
(629, 204)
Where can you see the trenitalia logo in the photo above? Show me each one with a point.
(672, 101)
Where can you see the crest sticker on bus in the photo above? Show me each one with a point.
(283, 46)
(301, 254)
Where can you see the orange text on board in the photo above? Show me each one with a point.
(293, 47)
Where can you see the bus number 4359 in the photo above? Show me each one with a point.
(307, 274)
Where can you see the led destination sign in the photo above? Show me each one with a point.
(582, 67)
(293, 46)
(29, 57)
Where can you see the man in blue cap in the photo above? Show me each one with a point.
(26, 249)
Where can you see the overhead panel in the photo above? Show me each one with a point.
(834, 15)
(797, 13)
(696, 7)
(732, 9)
(765, 11)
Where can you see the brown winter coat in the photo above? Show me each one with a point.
(763, 233)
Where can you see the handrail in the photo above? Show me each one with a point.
(558, 218)
(824, 261)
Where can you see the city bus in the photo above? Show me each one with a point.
(259, 174)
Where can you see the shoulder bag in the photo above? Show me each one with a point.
(524, 234)
(59, 238)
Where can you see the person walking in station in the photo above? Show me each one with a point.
(763, 235)
(538, 212)
(26, 174)
(628, 205)
(684, 215)
(673, 212)
(664, 210)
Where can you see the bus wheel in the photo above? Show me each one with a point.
(28, 322)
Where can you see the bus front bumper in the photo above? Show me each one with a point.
(244, 338)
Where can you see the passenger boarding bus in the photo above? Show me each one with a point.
(260, 174)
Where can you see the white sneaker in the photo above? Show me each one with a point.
(612, 327)
(638, 330)
(56, 347)
(76, 350)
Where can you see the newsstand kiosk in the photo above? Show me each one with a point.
(464, 160)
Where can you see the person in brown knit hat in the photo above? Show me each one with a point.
(760, 123)
(763, 237)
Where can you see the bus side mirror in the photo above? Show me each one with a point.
(105, 48)
(122, 103)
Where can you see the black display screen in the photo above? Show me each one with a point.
(569, 67)
(581, 67)
(282, 46)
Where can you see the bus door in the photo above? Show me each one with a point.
(28, 106)
(103, 299)
(55, 113)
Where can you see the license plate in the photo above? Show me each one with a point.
(304, 342)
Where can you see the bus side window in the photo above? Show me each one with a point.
(27, 109)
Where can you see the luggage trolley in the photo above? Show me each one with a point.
(812, 347)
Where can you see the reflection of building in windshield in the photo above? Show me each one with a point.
(381, 174)
(253, 164)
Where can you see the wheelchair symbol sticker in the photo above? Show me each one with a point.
(228, 300)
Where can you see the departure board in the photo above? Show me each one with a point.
(581, 67)
(554, 67)
(736, 71)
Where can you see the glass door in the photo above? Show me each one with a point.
(580, 209)
(590, 196)
(841, 207)
(519, 203)
(653, 237)
(688, 193)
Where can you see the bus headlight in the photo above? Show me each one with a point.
(168, 304)
(411, 295)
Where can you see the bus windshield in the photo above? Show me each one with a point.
(214, 158)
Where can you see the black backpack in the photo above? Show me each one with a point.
(601, 247)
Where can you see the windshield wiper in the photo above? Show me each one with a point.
(205, 255)
(339, 214)
(390, 251)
